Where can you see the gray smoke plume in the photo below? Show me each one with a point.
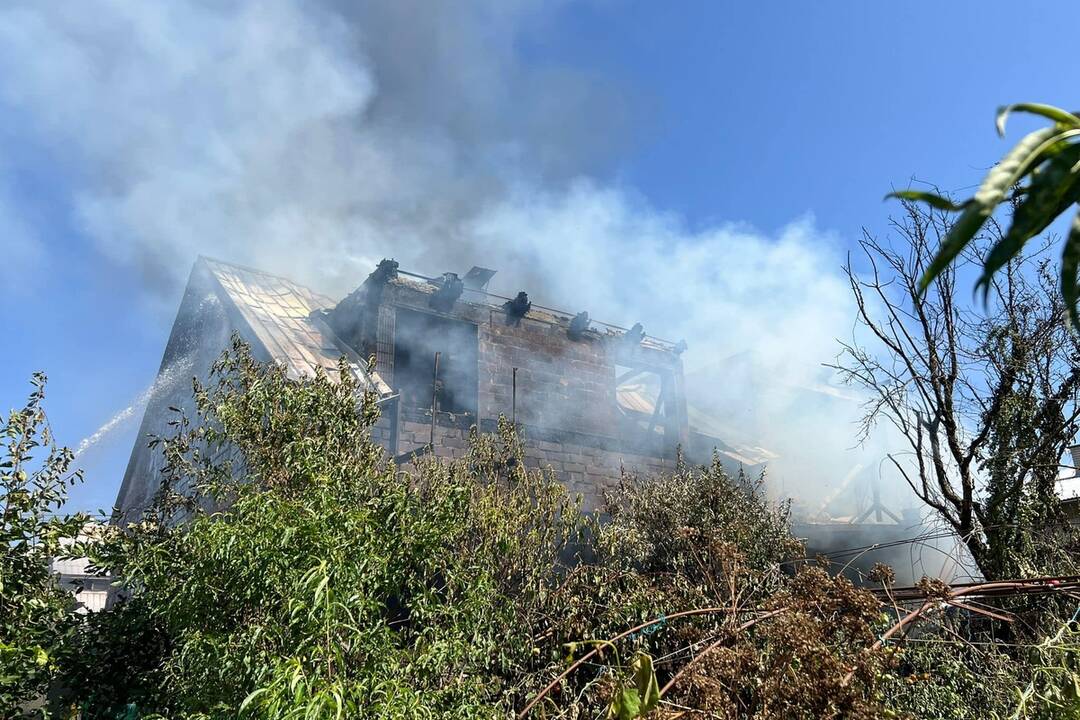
(294, 136)
(313, 139)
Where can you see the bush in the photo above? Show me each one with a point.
(938, 678)
(35, 614)
(289, 569)
(328, 582)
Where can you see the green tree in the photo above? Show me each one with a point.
(987, 403)
(289, 569)
(36, 616)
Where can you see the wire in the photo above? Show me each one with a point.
(907, 541)
(873, 546)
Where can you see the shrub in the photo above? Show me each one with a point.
(35, 614)
(288, 567)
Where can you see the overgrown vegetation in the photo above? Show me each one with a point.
(35, 618)
(1040, 178)
(288, 570)
(328, 582)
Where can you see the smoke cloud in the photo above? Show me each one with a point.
(313, 139)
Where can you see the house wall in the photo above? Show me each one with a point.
(92, 591)
(565, 404)
(565, 395)
(586, 469)
(200, 333)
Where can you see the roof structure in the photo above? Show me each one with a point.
(283, 316)
(640, 399)
(307, 333)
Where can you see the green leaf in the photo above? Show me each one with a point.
(321, 588)
(1051, 190)
(645, 678)
(961, 233)
(643, 697)
(1070, 263)
(250, 698)
(1047, 111)
(626, 705)
(931, 199)
(1014, 165)
(990, 193)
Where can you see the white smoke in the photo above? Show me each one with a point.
(313, 139)
(261, 131)
(760, 313)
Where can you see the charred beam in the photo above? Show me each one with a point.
(352, 319)
(661, 405)
(449, 290)
(634, 336)
(517, 308)
(384, 272)
(578, 326)
(629, 374)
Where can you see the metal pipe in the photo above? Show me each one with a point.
(513, 400)
(434, 398)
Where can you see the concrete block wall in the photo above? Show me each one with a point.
(588, 471)
(566, 404)
(381, 432)
(584, 469)
(561, 384)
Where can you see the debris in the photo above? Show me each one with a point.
(517, 308)
(449, 290)
(578, 326)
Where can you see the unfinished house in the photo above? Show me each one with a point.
(590, 398)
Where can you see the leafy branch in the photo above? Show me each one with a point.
(1041, 177)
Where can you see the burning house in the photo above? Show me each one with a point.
(591, 398)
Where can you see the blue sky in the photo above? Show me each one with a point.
(711, 113)
(761, 111)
